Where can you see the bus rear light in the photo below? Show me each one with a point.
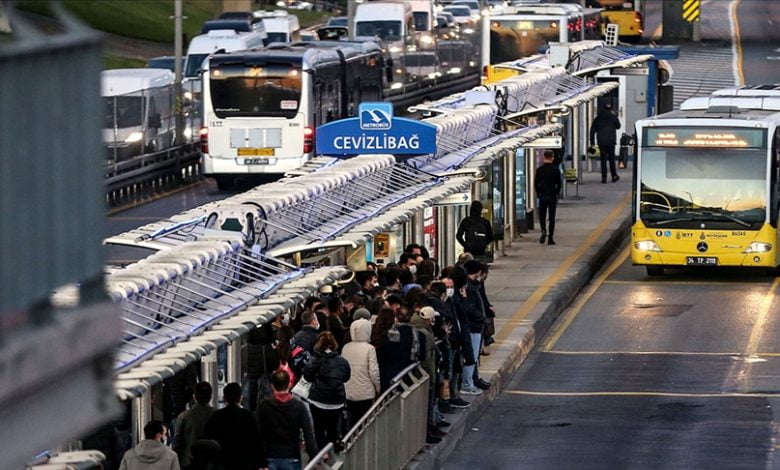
(308, 140)
(204, 139)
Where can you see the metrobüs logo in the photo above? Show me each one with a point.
(375, 116)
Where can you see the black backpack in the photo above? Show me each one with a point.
(476, 233)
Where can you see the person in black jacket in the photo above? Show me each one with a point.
(398, 349)
(237, 432)
(547, 183)
(308, 334)
(475, 233)
(604, 131)
(327, 372)
(262, 359)
(468, 308)
(282, 419)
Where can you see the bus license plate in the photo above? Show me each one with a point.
(255, 152)
(254, 161)
(701, 261)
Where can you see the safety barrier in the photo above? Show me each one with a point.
(389, 434)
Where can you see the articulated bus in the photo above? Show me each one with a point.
(522, 30)
(261, 107)
(627, 14)
(707, 183)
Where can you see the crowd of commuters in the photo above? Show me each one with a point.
(348, 346)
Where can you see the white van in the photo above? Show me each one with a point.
(393, 22)
(225, 40)
(280, 26)
(139, 111)
(424, 22)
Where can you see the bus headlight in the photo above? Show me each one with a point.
(395, 50)
(646, 245)
(759, 247)
(134, 137)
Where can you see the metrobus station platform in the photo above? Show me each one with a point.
(531, 284)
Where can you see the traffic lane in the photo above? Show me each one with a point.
(760, 38)
(685, 311)
(630, 431)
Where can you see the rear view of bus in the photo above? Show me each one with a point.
(706, 183)
(255, 115)
(627, 14)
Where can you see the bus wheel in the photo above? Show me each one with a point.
(655, 270)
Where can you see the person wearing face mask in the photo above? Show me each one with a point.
(437, 299)
(151, 453)
(308, 334)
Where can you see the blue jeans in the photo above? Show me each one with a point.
(468, 371)
(284, 464)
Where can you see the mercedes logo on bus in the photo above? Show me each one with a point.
(702, 247)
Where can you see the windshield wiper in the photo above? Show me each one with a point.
(721, 215)
(676, 219)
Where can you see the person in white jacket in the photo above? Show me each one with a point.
(363, 385)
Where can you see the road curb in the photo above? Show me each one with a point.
(559, 298)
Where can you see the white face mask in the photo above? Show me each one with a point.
(450, 292)
(376, 284)
(286, 319)
(413, 269)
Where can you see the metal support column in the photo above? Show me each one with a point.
(210, 374)
(418, 234)
(509, 197)
(234, 361)
(450, 229)
(141, 411)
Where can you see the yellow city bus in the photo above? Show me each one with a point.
(707, 183)
(627, 14)
(522, 30)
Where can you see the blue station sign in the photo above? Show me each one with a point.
(376, 131)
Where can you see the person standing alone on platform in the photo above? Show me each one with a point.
(475, 232)
(151, 453)
(547, 183)
(604, 131)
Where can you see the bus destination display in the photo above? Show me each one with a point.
(707, 137)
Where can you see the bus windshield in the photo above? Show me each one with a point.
(421, 21)
(128, 111)
(514, 39)
(194, 62)
(277, 37)
(253, 90)
(611, 4)
(687, 187)
(386, 30)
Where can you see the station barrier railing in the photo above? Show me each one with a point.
(389, 434)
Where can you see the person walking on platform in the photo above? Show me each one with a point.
(547, 183)
(604, 131)
(475, 233)
(237, 432)
(151, 453)
(191, 424)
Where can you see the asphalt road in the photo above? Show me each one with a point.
(679, 372)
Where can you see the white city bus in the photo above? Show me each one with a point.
(261, 108)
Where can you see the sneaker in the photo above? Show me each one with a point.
(603, 181)
(483, 384)
(438, 433)
(445, 407)
(431, 439)
(443, 424)
(470, 391)
(541, 239)
(615, 178)
(459, 403)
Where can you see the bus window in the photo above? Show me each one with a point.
(421, 21)
(513, 39)
(386, 30)
(277, 37)
(249, 90)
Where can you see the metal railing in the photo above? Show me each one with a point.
(389, 434)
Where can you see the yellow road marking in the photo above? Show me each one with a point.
(572, 313)
(548, 284)
(156, 197)
(737, 41)
(757, 332)
(642, 394)
(685, 282)
(640, 353)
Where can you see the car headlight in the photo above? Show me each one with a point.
(759, 247)
(396, 86)
(426, 40)
(468, 31)
(646, 245)
(455, 70)
(395, 50)
(134, 137)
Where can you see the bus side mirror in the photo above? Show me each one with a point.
(155, 121)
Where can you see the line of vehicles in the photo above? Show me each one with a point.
(258, 91)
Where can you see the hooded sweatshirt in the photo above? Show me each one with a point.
(361, 355)
(282, 419)
(150, 455)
